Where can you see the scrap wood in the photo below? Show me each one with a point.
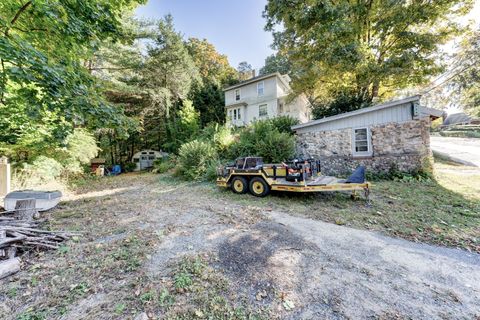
(21, 233)
(9, 267)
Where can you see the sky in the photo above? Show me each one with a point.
(235, 28)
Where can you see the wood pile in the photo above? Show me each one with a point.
(20, 233)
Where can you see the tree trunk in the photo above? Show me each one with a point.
(375, 89)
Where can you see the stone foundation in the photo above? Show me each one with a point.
(403, 146)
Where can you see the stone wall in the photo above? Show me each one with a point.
(404, 146)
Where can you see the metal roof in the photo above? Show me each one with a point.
(366, 110)
(455, 118)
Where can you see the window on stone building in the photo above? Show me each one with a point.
(362, 142)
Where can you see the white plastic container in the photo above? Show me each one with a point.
(45, 200)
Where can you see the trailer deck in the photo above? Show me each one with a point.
(259, 179)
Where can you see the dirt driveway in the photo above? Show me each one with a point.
(157, 248)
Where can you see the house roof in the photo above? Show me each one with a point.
(427, 111)
(454, 118)
(258, 78)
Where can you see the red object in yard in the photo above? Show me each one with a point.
(95, 163)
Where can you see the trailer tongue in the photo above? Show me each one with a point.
(251, 174)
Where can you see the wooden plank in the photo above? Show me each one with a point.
(9, 267)
(3, 235)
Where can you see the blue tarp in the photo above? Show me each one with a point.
(358, 176)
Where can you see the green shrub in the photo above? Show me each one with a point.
(284, 123)
(81, 147)
(194, 158)
(263, 139)
(211, 173)
(129, 166)
(220, 135)
(164, 164)
(44, 169)
(395, 174)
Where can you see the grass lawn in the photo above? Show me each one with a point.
(444, 211)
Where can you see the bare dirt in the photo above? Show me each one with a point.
(254, 261)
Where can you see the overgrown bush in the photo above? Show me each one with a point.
(395, 174)
(129, 166)
(162, 165)
(194, 159)
(284, 123)
(81, 147)
(263, 139)
(221, 136)
(44, 169)
(217, 144)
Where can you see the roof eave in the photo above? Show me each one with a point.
(249, 81)
(357, 112)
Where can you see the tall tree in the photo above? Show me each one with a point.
(356, 51)
(169, 70)
(46, 88)
(215, 71)
(245, 70)
(277, 63)
(466, 74)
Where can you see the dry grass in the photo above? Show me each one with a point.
(443, 211)
(107, 272)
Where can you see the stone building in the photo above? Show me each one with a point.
(385, 136)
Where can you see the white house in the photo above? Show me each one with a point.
(263, 97)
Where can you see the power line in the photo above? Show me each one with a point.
(448, 79)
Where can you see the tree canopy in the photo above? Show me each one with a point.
(277, 63)
(46, 88)
(466, 74)
(363, 50)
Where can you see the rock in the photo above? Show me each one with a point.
(141, 316)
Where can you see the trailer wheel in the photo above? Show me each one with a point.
(239, 185)
(258, 187)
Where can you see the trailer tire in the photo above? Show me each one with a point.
(258, 187)
(239, 185)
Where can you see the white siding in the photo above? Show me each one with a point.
(274, 89)
(248, 93)
(399, 113)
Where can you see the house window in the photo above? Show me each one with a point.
(260, 88)
(280, 108)
(362, 144)
(237, 94)
(234, 114)
(262, 110)
(239, 117)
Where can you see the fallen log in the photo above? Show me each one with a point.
(9, 267)
(5, 241)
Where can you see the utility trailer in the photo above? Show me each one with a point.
(251, 174)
